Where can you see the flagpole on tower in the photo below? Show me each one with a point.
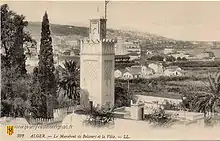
(106, 3)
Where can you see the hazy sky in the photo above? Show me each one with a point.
(178, 20)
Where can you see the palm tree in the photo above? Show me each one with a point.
(69, 79)
(210, 100)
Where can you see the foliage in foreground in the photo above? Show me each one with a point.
(97, 117)
(20, 106)
(209, 101)
(69, 79)
(122, 97)
(14, 79)
(159, 118)
(171, 105)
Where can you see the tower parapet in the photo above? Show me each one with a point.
(104, 46)
(108, 46)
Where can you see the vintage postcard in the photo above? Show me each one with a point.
(110, 70)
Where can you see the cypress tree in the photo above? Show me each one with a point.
(19, 58)
(46, 77)
(13, 38)
(35, 91)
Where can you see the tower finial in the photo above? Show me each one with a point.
(106, 3)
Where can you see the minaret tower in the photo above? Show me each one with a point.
(97, 64)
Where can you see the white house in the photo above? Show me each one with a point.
(72, 42)
(120, 48)
(145, 71)
(205, 55)
(180, 55)
(173, 71)
(134, 55)
(133, 46)
(174, 68)
(138, 72)
(158, 68)
(168, 50)
(127, 75)
(117, 73)
(148, 52)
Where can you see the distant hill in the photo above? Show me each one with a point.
(58, 30)
(148, 40)
(69, 30)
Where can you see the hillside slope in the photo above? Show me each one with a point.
(148, 41)
(68, 30)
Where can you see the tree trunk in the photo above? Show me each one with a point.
(50, 106)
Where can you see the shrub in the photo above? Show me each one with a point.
(82, 111)
(209, 122)
(122, 97)
(196, 64)
(170, 59)
(174, 89)
(159, 118)
(97, 117)
(156, 58)
(171, 106)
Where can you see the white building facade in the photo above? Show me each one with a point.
(97, 67)
(158, 68)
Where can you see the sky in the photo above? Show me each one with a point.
(177, 20)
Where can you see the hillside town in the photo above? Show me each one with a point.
(125, 52)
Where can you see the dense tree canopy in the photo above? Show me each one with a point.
(14, 81)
